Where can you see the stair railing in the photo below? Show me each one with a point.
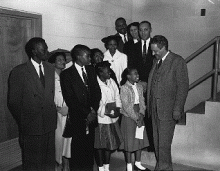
(214, 72)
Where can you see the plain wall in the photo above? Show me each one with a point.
(69, 22)
(180, 21)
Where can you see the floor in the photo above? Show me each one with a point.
(118, 164)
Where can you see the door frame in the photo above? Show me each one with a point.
(36, 19)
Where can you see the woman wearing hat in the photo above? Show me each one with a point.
(117, 59)
(62, 145)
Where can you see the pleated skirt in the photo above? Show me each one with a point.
(128, 130)
(108, 136)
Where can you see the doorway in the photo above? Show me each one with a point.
(16, 28)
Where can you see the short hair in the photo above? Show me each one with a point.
(147, 22)
(77, 51)
(120, 18)
(160, 41)
(93, 51)
(99, 67)
(31, 44)
(136, 24)
(54, 56)
(125, 73)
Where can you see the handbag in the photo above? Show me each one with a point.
(68, 127)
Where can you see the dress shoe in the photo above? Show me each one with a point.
(137, 169)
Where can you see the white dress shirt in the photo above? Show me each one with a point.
(163, 57)
(134, 87)
(79, 69)
(122, 37)
(147, 44)
(36, 66)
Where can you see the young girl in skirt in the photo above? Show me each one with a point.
(107, 134)
(133, 110)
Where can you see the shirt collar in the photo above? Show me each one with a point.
(78, 67)
(36, 65)
(122, 35)
(147, 41)
(164, 57)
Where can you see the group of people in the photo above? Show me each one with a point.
(127, 98)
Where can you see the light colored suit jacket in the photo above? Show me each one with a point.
(172, 87)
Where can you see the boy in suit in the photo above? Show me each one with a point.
(31, 102)
(82, 95)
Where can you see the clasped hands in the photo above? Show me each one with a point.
(140, 121)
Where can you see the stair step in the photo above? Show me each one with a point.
(198, 109)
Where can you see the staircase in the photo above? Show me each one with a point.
(198, 142)
(196, 145)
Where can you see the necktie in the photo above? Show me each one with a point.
(125, 40)
(41, 76)
(85, 78)
(144, 55)
(159, 64)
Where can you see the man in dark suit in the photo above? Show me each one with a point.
(31, 102)
(168, 85)
(142, 51)
(143, 61)
(82, 95)
(121, 28)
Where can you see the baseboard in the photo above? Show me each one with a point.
(10, 154)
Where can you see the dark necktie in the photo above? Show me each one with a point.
(159, 64)
(144, 55)
(85, 78)
(41, 76)
(125, 40)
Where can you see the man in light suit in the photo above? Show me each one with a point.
(168, 85)
(31, 102)
(82, 95)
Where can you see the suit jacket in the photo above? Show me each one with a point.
(30, 103)
(78, 98)
(171, 87)
(129, 51)
(121, 43)
(143, 67)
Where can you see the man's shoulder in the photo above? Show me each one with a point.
(175, 56)
(20, 67)
(67, 71)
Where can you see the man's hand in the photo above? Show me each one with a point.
(176, 115)
(91, 117)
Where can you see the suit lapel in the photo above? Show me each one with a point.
(34, 78)
(164, 68)
(77, 78)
